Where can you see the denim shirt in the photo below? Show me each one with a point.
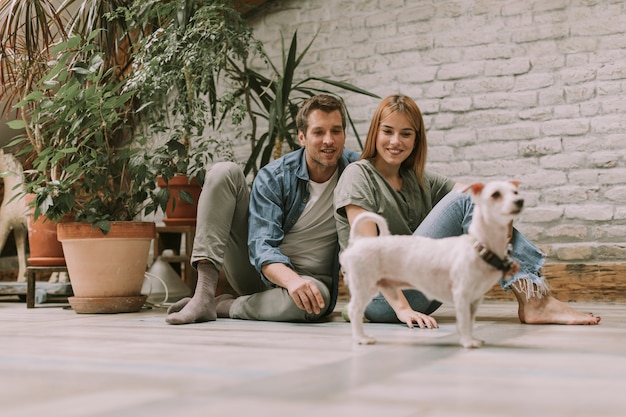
(279, 194)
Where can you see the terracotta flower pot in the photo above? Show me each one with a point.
(106, 271)
(45, 248)
(179, 212)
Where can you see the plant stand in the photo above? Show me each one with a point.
(31, 274)
(182, 255)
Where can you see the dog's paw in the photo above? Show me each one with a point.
(472, 343)
(364, 340)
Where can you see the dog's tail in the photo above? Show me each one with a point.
(381, 223)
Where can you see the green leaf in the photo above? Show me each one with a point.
(186, 197)
(104, 225)
(345, 86)
(16, 124)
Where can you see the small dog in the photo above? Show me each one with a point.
(458, 269)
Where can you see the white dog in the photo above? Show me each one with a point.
(457, 269)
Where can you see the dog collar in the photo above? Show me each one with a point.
(492, 259)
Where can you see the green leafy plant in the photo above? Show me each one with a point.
(64, 69)
(181, 74)
(93, 167)
(95, 83)
(276, 98)
(29, 29)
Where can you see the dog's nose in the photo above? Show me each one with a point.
(519, 203)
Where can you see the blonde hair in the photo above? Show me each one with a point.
(399, 103)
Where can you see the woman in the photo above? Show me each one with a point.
(390, 179)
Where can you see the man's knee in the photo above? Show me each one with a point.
(224, 170)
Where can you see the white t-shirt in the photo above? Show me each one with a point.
(311, 242)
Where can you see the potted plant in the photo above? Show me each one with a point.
(181, 73)
(181, 169)
(24, 53)
(101, 177)
(29, 30)
(91, 164)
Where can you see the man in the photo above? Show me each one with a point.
(291, 273)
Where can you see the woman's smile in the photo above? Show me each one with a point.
(395, 140)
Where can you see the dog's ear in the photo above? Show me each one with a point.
(475, 188)
(515, 183)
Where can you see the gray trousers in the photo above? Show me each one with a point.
(222, 238)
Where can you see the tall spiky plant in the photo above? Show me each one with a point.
(275, 98)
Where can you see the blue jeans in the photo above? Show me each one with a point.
(452, 217)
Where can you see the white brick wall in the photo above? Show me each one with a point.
(528, 90)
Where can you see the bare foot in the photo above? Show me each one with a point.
(549, 310)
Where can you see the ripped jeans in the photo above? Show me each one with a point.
(452, 217)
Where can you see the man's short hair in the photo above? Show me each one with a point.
(323, 102)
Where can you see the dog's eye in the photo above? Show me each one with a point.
(496, 195)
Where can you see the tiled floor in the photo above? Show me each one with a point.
(54, 362)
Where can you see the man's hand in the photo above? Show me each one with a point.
(306, 295)
(303, 291)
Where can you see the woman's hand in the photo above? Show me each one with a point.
(403, 310)
(411, 317)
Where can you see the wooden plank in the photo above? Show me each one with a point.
(569, 283)
(580, 282)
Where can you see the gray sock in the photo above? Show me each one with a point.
(201, 307)
(223, 303)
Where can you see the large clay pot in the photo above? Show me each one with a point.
(179, 212)
(106, 271)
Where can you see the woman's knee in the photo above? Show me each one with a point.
(450, 217)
